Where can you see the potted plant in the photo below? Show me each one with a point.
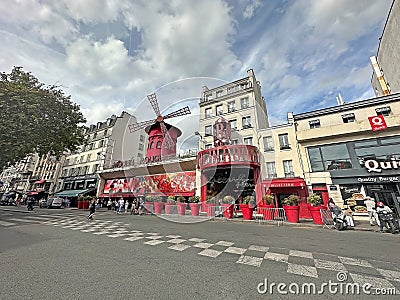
(266, 208)
(170, 204)
(228, 203)
(211, 203)
(247, 206)
(181, 205)
(80, 202)
(292, 208)
(86, 201)
(315, 204)
(194, 205)
(158, 204)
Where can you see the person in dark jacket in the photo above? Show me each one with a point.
(92, 209)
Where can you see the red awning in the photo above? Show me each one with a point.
(285, 182)
(40, 181)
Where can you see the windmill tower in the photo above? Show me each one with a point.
(162, 136)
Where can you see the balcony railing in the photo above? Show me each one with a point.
(233, 154)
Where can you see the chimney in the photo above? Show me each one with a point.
(339, 99)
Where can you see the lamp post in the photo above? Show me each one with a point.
(201, 140)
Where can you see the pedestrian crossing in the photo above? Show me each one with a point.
(294, 261)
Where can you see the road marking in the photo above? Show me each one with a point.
(354, 261)
(300, 254)
(173, 236)
(179, 247)
(176, 241)
(24, 220)
(133, 238)
(224, 243)
(250, 261)
(259, 248)
(375, 282)
(210, 253)
(203, 245)
(235, 250)
(154, 242)
(330, 265)
(390, 274)
(3, 223)
(277, 257)
(308, 271)
(196, 240)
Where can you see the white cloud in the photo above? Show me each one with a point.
(249, 11)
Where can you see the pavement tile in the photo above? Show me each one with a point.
(300, 253)
(250, 260)
(330, 265)
(224, 243)
(210, 253)
(179, 247)
(355, 261)
(390, 274)
(154, 242)
(258, 248)
(302, 270)
(235, 250)
(276, 257)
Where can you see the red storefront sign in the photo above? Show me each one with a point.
(377, 122)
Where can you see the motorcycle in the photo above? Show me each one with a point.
(30, 205)
(339, 219)
(388, 221)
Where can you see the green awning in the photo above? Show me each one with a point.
(72, 193)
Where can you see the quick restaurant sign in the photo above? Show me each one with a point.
(374, 166)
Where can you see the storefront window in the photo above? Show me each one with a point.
(330, 157)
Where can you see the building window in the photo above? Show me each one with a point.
(234, 142)
(246, 122)
(105, 132)
(208, 97)
(348, 118)
(288, 168)
(95, 168)
(271, 170)
(158, 146)
(231, 106)
(314, 124)
(244, 102)
(141, 138)
(101, 143)
(230, 90)
(141, 147)
(284, 141)
(208, 112)
(208, 130)
(268, 143)
(329, 157)
(248, 141)
(383, 111)
(151, 145)
(219, 94)
(233, 124)
(219, 110)
(208, 146)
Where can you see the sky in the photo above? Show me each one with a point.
(110, 54)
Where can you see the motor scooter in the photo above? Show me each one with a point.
(339, 219)
(388, 221)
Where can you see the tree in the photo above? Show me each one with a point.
(35, 118)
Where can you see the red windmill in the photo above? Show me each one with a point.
(162, 136)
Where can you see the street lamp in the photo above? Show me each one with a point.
(201, 139)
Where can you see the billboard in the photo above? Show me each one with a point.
(182, 182)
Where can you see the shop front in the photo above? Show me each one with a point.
(282, 188)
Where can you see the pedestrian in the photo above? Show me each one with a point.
(126, 206)
(382, 208)
(121, 203)
(92, 209)
(371, 209)
(67, 202)
(109, 204)
(349, 216)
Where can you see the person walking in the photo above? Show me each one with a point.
(92, 209)
(109, 204)
(121, 203)
(373, 216)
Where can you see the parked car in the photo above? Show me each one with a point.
(55, 203)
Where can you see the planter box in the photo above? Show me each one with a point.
(86, 204)
(195, 208)
(292, 213)
(247, 211)
(158, 207)
(181, 208)
(228, 210)
(80, 204)
(316, 214)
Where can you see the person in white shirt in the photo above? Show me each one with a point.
(373, 216)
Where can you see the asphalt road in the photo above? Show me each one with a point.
(58, 254)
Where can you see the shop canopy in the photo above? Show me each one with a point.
(72, 193)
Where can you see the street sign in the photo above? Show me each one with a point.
(377, 122)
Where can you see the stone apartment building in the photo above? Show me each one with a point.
(352, 148)
(105, 147)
